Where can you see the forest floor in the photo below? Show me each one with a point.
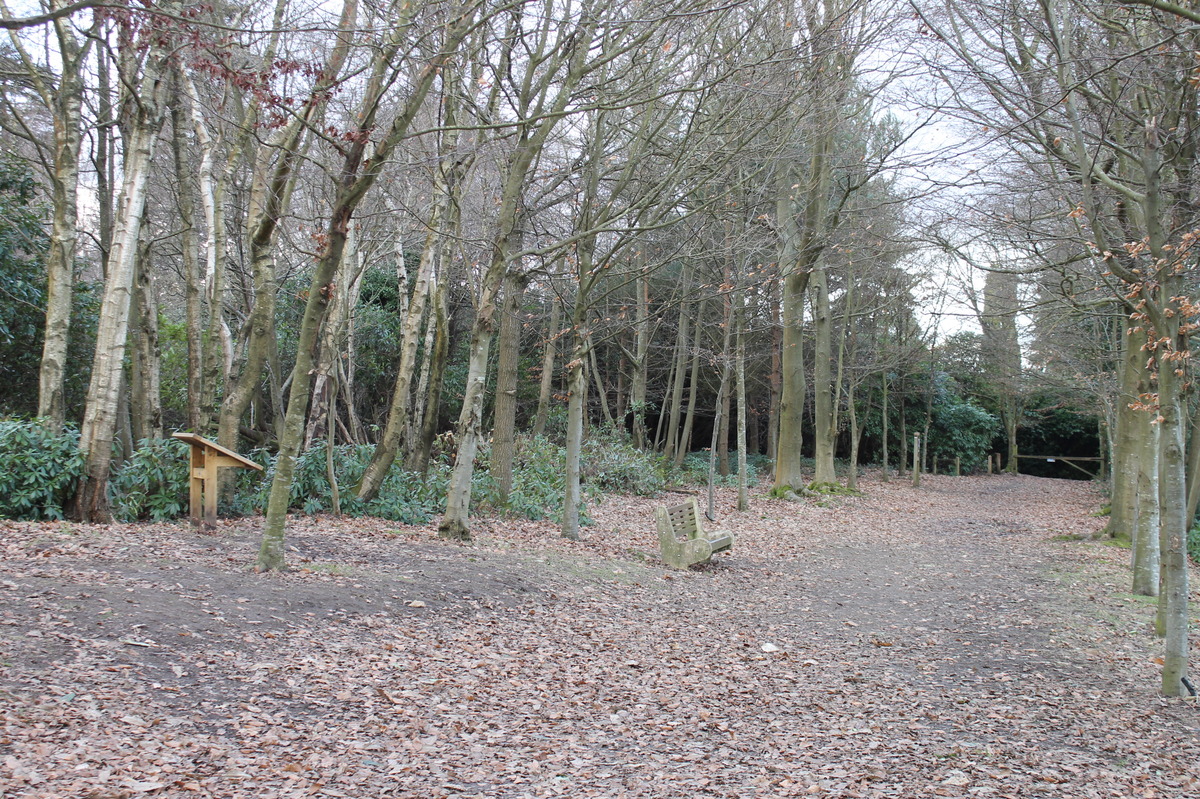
(951, 640)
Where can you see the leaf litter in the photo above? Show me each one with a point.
(941, 641)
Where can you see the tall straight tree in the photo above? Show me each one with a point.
(145, 79)
(1097, 102)
(543, 59)
(360, 168)
(64, 99)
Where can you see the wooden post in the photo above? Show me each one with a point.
(916, 460)
(196, 483)
(207, 457)
(957, 466)
(989, 460)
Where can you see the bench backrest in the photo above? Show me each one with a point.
(685, 519)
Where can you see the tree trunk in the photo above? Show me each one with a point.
(852, 413)
(504, 433)
(681, 360)
(216, 350)
(552, 334)
(824, 417)
(1145, 545)
(1123, 504)
(576, 405)
(640, 365)
(685, 437)
(1193, 468)
(418, 460)
(776, 379)
(601, 389)
(743, 411)
(189, 242)
(884, 443)
(792, 397)
(99, 421)
(145, 366)
(1172, 501)
(66, 105)
(322, 411)
(410, 339)
(723, 428)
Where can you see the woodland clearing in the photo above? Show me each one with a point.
(967, 638)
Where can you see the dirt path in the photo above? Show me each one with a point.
(936, 642)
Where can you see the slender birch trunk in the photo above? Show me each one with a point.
(680, 373)
(322, 413)
(885, 475)
(418, 460)
(99, 420)
(601, 389)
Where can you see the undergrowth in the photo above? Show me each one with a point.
(40, 470)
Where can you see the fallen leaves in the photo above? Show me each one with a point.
(906, 643)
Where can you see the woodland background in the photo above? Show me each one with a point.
(424, 259)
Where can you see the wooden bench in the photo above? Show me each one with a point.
(682, 538)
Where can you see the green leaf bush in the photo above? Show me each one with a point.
(153, 483)
(39, 470)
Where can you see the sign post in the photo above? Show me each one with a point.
(207, 457)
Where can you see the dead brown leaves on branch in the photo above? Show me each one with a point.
(942, 641)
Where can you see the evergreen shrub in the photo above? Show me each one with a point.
(39, 470)
(153, 483)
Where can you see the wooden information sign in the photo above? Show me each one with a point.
(207, 457)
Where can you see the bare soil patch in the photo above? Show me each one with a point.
(941, 641)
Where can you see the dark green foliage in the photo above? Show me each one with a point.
(539, 479)
(1193, 544)
(959, 428)
(172, 341)
(963, 430)
(38, 469)
(1053, 427)
(23, 245)
(613, 465)
(695, 469)
(153, 483)
(404, 496)
(376, 335)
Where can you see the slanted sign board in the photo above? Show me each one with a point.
(207, 457)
